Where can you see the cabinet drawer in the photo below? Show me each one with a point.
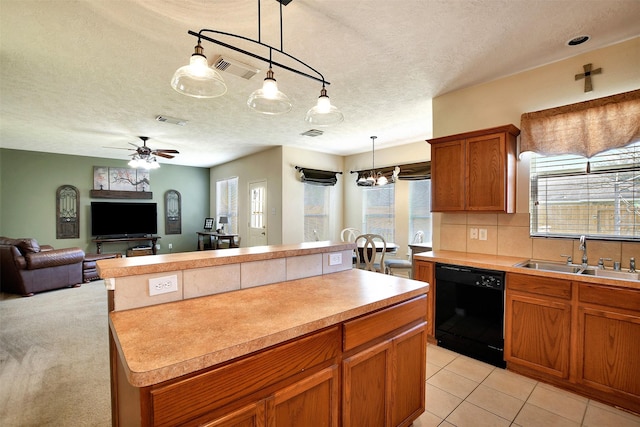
(371, 326)
(177, 402)
(558, 288)
(609, 296)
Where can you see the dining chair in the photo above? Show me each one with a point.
(349, 234)
(371, 245)
(403, 264)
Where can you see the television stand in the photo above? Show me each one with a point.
(100, 240)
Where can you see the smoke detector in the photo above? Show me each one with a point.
(234, 67)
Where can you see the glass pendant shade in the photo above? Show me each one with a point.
(324, 114)
(268, 99)
(198, 79)
(382, 180)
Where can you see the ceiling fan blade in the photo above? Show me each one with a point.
(166, 156)
(166, 151)
(120, 148)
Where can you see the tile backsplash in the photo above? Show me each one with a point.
(508, 235)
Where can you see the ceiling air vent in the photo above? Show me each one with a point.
(234, 67)
(312, 132)
(172, 120)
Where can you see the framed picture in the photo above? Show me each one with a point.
(208, 223)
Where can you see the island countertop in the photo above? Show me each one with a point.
(202, 332)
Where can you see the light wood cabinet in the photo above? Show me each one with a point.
(538, 323)
(384, 379)
(608, 343)
(425, 272)
(581, 336)
(474, 171)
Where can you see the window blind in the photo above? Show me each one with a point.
(227, 203)
(597, 197)
(379, 211)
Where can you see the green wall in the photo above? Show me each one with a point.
(28, 184)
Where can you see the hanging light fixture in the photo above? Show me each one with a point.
(374, 178)
(268, 99)
(324, 114)
(198, 79)
(144, 162)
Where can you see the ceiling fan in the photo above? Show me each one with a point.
(145, 157)
(144, 152)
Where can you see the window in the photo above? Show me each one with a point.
(599, 198)
(316, 212)
(378, 213)
(227, 203)
(420, 208)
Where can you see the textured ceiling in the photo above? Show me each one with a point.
(79, 77)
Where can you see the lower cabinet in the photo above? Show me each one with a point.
(425, 272)
(581, 336)
(538, 323)
(369, 371)
(608, 343)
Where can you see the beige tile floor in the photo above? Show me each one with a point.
(464, 392)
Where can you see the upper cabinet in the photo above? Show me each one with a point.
(474, 171)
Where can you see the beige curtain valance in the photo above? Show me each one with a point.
(586, 128)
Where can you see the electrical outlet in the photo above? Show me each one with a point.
(170, 246)
(335, 259)
(163, 285)
(483, 234)
(473, 233)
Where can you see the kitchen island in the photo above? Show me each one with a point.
(345, 348)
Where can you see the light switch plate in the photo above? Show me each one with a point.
(163, 285)
(483, 234)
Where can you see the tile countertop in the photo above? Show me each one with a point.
(129, 266)
(506, 263)
(202, 332)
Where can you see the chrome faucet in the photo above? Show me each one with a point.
(583, 248)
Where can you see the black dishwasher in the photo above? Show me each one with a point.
(470, 312)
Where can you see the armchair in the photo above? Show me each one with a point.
(27, 268)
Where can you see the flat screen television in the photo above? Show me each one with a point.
(123, 219)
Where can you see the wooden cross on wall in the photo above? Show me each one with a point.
(588, 87)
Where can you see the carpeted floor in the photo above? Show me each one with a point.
(54, 358)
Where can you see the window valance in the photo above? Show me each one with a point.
(585, 128)
(317, 176)
(415, 171)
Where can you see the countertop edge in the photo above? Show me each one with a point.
(508, 264)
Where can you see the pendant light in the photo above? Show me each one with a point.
(324, 114)
(198, 79)
(374, 178)
(268, 99)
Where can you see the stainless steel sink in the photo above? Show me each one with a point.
(613, 274)
(551, 266)
(561, 267)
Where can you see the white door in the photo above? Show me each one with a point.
(258, 213)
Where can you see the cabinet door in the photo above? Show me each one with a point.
(252, 415)
(537, 333)
(409, 376)
(447, 176)
(485, 174)
(424, 272)
(313, 401)
(366, 388)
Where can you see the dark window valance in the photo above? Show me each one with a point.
(415, 171)
(586, 128)
(317, 177)
(388, 172)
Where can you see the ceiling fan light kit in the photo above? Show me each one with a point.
(194, 80)
(145, 157)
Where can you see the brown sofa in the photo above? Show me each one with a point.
(27, 268)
